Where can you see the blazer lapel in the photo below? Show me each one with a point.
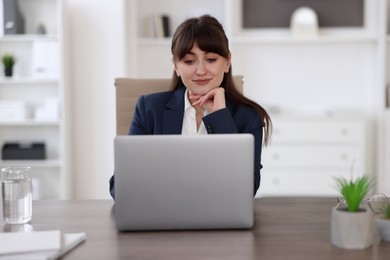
(173, 116)
(230, 106)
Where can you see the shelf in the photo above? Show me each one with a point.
(274, 39)
(32, 163)
(31, 122)
(154, 41)
(28, 38)
(27, 81)
(288, 39)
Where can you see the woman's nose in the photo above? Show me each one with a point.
(201, 70)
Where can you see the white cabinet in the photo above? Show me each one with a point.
(39, 84)
(307, 153)
(340, 73)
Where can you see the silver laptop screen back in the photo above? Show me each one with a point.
(171, 182)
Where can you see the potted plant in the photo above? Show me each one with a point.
(351, 225)
(8, 62)
(41, 29)
(383, 224)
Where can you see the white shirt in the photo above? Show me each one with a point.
(189, 119)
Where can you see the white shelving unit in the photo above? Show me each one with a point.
(384, 123)
(310, 82)
(52, 177)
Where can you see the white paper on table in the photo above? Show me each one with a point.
(38, 244)
(21, 242)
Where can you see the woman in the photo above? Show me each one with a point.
(204, 99)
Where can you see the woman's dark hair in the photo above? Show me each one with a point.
(210, 36)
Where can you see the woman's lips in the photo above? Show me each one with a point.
(202, 81)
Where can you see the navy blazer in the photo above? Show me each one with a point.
(162, 113)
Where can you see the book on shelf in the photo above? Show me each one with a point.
(13, 20)
(157, 26)
(166, 25)
(1, 19)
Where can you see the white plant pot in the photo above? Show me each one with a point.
(383, 227)
(351, 230)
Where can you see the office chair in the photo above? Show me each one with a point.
(129, 89)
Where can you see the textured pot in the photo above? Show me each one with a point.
(383, 227)
(351, 230)
(8, 72)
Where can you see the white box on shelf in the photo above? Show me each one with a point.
(49, 111)
(13, 111)
(45, 59)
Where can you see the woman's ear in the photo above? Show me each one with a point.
(177, 72)
(229, 59)
(175, 67)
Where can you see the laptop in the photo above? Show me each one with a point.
(184, 182)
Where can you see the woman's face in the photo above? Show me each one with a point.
(201, 71)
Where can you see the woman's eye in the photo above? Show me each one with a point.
(189, 62)
(211, 60)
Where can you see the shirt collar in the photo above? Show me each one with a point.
(187, 104)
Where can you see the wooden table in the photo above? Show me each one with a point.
(285, 228)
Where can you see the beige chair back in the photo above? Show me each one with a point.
(129, 89)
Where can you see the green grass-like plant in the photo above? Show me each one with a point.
(8, 60)
(354, 191)
(386, 211)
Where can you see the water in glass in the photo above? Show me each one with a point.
(17, 200)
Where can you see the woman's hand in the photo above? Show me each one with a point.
(211, 101)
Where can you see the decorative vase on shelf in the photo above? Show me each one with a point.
(304, 23)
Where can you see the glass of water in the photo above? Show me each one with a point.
(16, 194)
